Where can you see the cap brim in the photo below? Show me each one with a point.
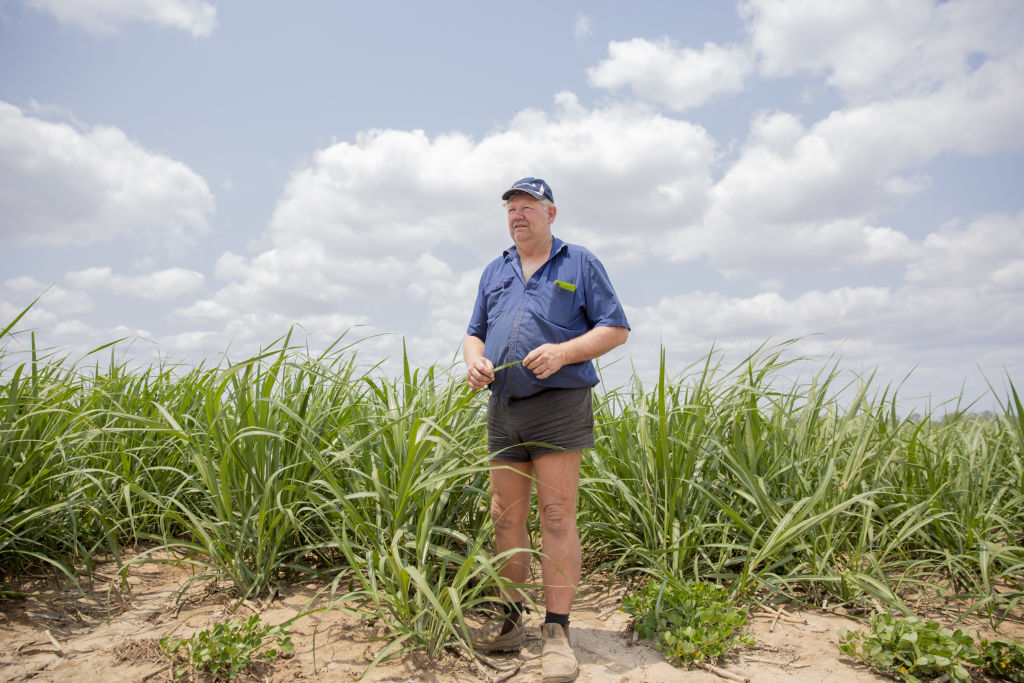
(509, 193)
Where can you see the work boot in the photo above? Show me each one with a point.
(503, 634)
(557, 661)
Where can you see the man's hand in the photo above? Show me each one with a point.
(545, 360)
(480, 373)
(479, 370)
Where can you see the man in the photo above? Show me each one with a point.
(551, 306)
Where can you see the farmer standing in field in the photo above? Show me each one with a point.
(550, 305)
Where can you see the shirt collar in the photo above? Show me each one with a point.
(557, 245)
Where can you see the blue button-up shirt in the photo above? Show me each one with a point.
(567, 296)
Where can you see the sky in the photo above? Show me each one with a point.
(196, 177)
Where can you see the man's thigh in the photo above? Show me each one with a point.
(511, 487)
(558, 478)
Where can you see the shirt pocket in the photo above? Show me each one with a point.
(559, 305)
(496, 299)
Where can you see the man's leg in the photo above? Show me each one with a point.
(511, 489)
(558, 478)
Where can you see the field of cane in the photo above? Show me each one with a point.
(294, 466)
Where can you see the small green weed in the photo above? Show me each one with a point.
(1004, 659)
(227, 649)
(690, 621)
(910, 648)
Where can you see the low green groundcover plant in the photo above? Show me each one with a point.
(690, 621)
(911, 649)
(228, 648)
(1004, 659)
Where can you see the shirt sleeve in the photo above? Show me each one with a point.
(478, 320)
(603, 307)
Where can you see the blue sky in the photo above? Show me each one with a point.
(197, 176)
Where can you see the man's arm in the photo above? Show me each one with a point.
(547, 359)
(479, 370)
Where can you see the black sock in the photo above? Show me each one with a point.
(555, 618)
(511, 610)
(513, 613)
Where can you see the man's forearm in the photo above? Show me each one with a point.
(472, 348)
(593, 343)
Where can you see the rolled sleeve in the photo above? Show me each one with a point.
(602, 303)
(478, 320)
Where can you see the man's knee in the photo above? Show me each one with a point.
(507, 518)
(558, 518)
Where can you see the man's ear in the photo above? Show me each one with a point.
(552, 210)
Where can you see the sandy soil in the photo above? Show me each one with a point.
(51, 635)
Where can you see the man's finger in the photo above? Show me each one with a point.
(532, 358)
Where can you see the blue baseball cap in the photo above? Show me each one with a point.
(534, 186)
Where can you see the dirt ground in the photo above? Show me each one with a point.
(51, 635)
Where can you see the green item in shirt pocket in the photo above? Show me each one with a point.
(566, 285)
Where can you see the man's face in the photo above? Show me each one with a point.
(528, 220)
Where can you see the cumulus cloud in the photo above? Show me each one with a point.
(204, 311)
(679, 78)
(387, 232)
(57, 299)
(424, 192)
(161, 285)
(987, 253)
(63, 321)
(881, 48)
(701, 316)
(924, 81)
(936, 334)
(582, 28)
(810, 193)
(60, 185)
(395, 227)
(103, 17)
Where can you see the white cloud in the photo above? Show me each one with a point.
(1010, 277)
(679, 78)
(205, 310)
(63, 186)
(926, 80)
(161, 285)
(192, 343)
(988, 253)
(881, 48)
(938, 335)
(401, 193)
(63, 322)
(63, 301)
(388, 231)
(582, 28)
(378, 229)
(776, 132)
(103, 17)
(699, 317)
(810, 194)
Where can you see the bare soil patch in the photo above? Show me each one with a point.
(59, 635)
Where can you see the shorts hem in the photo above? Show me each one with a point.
(533, 455)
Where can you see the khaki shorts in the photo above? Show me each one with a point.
(553, 421)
